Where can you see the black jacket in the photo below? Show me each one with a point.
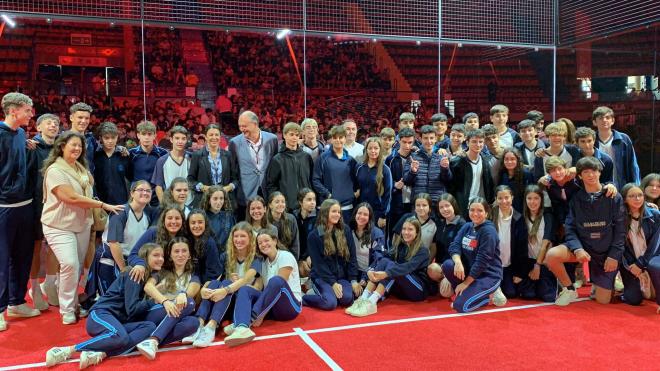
(462, 175)
(200, 172)
(35, 160)
(288, 172)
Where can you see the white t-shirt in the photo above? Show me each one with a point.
(506, 139)
(133, 230)
(476, 189)
(283, 259)
(637, 238)
(564, 155)
(356, 150)
(530, 156)
(533, 249)
(361, 253)
(607, 148)
(173, 170)
(504, 231)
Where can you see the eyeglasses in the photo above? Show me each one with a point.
(142, 190)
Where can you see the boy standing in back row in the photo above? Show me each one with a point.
(617, 145)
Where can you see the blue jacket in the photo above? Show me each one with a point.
(596, 224)
(559, 205)
(539, 169)
(396, 163)
(111, 176)
(117, 222)
(366, 183)
(336, 176)
(145, 163)
(305, 227)
(625, 160)
(518, 191)
(518, 241)
(416, 266)
(479, 249)
(124, 299)
(221, 223)
(650, 223)
(333, 268)
(520, 146)
(444, 235)
(207, 266)
(430, 178)
(14, 174)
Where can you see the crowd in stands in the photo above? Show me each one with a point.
(164, 241)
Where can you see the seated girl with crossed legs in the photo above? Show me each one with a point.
(116, 321)
(401, 271)
(174, 288)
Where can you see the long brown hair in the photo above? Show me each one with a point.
(263, 223)
(168, 273)
(624, 193)
(414, 247)
(162, 235)
(144, 253)
(336, 231)
(206, 198)
(518, 178)
(286, 230)
(380, 162)
(232, 263)
(527, 213)
(58, 149)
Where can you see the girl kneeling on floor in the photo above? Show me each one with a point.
(334, 267)
(538, 282)
(475, 268)
(401, 271)
(116, 321)
(640, 270)
(174, 288)
(242, 268)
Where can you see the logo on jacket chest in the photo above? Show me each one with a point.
(469, 242)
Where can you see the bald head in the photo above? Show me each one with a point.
(248, 124)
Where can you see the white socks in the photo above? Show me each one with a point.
(36, 289)
(374, 298)
(365, 294)
(51, 279)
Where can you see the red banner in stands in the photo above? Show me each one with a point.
(66, 60)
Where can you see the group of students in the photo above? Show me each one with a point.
(479, 215)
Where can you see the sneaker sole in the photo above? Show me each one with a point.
(146, 355)
(239, 341)
(22, 315)
(360, 315)
(201, 345)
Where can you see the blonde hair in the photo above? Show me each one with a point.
(231, 265)
(555, 129)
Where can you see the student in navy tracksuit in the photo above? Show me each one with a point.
(586, 139)
(374, 180)
(170, 225)
(285, 223)
(306, 220)
(174, 289)
(242, 270)
(595, 232)
(116, 321)
(401, 271)
(205, 253)
(144, 157)
(651, 187)
(448, 223)
(334, 266)
(16, 241)
(369, 239)
(514, 175)
(216, 204)
(512, 232)
(111, 168)
(617, 145)
(334, 173)
(557, 138)
(475, 268)
(537, 282)
(120, 236)
(640, 270)
(428, 171)
(401, 200)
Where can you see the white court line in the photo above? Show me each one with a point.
(317, 349)
(321, 330)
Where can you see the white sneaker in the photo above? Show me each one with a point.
(3, 323)
(148, 348)
(22, 311)
(90, 359)
(566, 296)
(446, 291)
(191, 339)
(355, 306)
(38, 300)
(367, 308)
(241, 335)
(57, 355)
(69, 318)
(82, 312)
(51, 293)
(229, 329)
(499, 300)
(205, 337)
(618, 283)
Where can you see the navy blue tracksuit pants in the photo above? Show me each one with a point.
(16, 248)
(408, 287)
(209, 310)
(476, 295)
(171, 329)
(324, 297)
(102, 273)
(545, 288)
(277, 301)
(111, 336)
